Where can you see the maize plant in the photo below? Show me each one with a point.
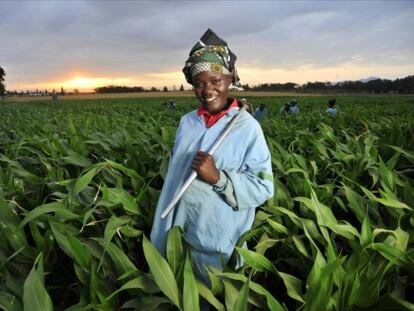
(79, 182)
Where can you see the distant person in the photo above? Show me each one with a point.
(285, 109)
(250, 108)
(290, 108)
(173, 104)
(331, 107)
(260, 113)
(294, 109)
(54, 95)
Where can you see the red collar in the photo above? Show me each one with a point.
(211, 119)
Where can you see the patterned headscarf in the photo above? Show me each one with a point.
(210, 53)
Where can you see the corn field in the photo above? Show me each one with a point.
(79, 182)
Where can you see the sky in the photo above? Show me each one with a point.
(87, 44)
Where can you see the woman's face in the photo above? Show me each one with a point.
(212, 90)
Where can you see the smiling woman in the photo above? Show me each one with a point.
(219, 206)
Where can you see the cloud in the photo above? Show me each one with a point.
(49, 40)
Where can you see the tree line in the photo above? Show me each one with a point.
(377, 86)
(132, 89)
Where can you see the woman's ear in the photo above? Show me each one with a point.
(230, 79)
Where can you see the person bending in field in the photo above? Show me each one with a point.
(331, 107)
(219, 206)
(260, 113)
(294, 109)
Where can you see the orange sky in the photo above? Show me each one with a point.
(88, 81)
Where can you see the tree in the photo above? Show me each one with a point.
(181, 88)
(165, 89)
(154, 89)
(119, 89)
(62, 91)
(76, 91)
(2, 86)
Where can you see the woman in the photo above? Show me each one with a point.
(220, 204)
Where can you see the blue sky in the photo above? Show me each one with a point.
(84, 44)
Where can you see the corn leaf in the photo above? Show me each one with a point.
(163, 276)
(190, 290)
(35, 296)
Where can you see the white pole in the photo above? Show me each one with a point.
(211, 152)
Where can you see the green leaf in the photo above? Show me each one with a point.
(366, 232)
(83, 181)
(112, 226)
(55, 207)
(264, 244)
(121, 196)
(261, 263)
(388, 200)
(71, 245)
(121, 261)
(272, 303)
(277, 227)
(387, 176)
(77, 159)
(9, 225)
(149, 303)
(391, 303)
(127, 171)
(257, 261)
(242, 301)
(163, 276)
(209, 296)
(190, 290)
(175, 252)
(394, 255)
(35, 296)
(356, 203)
(231, 295)
(8, 302)
(392, 202)
(142, 282)
(407, 154)
(293, 286)
(300, 246)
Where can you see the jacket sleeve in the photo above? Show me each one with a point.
(224, 188)
(253, 182)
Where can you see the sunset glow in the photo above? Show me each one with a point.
(89, 84)
(249, 74)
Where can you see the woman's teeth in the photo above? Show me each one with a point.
(211, 99)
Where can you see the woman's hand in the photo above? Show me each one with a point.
(203, 163)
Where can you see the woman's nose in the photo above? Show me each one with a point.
(208, 88)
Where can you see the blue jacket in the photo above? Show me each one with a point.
(260, 114)
(331, 111)
(213, 225)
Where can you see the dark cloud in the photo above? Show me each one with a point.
(42, 40)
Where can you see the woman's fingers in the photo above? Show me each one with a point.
(203, 163)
